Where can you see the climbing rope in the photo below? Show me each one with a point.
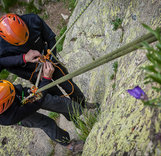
(130, 47)
(76, 19)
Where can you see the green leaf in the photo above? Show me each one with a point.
(146, 82)
(154, 57)
(146, 45)
(155, 77)
(4, 74)
(158, 55)
(115, 66)
(150, 57)
(150, 68)
(155, 32)
(157, 89)
(158, 45)
(146, 78)
(158, 65)
(112, 77)
(158, 31)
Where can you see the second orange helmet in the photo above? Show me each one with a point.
(13, 29)
(7, 95)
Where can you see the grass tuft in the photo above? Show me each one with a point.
(59, 47)
(53, 115)
(117, 23)
(85, 123)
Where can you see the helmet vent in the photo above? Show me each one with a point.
(14, 18)
(11, 91)
(3, 106)
(16, 43)
(1, 81)
(26, 34)
(3, 36)
(19, 21)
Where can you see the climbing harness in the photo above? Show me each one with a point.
(36, 96)
(47, 57)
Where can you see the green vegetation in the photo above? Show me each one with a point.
(30, 7)
(113, 85)
(115, 68)
(45, 15)
(113, 76)
(6, 4)
(53, 145)
(52, 153)
(4, 74)
(70, 4)
(59, 47)
(117, 24)
(153, 69)
(53, 115)
(84, 123)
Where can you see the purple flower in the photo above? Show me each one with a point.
(138, 93)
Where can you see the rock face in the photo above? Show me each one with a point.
(125, 126)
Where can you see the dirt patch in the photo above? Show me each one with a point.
(55, 19)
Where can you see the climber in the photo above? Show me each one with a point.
(22, 40)
(12, 111)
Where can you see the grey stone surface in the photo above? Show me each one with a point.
(92, 37)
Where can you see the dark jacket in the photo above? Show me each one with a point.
(11, 56)
(17, 112)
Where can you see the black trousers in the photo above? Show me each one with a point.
(57, 104)
(77, 95)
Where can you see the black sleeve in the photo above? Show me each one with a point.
(48, 36)
(9, 61)
(25, 110)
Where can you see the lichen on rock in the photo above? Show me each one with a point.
(125, 126)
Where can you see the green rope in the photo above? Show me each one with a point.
(149, 38)
(130, 47)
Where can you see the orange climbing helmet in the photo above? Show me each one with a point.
(7, 95)
(13, 29)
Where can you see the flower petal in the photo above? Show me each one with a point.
(136, 92)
